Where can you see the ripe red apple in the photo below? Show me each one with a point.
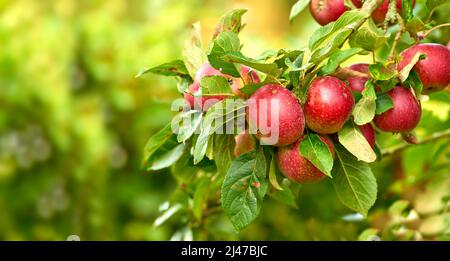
(328, 106)
(297, 168)
(434, 70)
(248, 76)
(276, 115)
(369, 133)
(244, 144)
(380, 13)
(357, 83)
(404, 116)
(326, 11)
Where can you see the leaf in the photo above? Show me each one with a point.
(415, 25)
(368, 234)
(347, 21)
(223, 151)
(336, 59)
(244, 188)
(193, 53)
(407, 10)
(167, 214)
(200, 197)
(404, 73)
(287, 195)
(238, 57)
(433, 4)
(185, 123)
(369, 38)
(174, 68)
(384, 103)
(213, 85)
(353, 181)
(251, 88)
(184, 170)
(413, 81)
(224, 43)
(162, 149)
(353, 140)
(226, 112)
(296, 9)
(365, 108)
(317, 152)
(231, 22)
(381, 73)
(273, 175)
(331, 45)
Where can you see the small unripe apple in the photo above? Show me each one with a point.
(369, 133)
(248, 76)
(296, 167)
(404, 116)
(244, 144)
(276, 115)
(357, 84)
(434, 70)
(326, 11)
(329, 104)
(380, 13)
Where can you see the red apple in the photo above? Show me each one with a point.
(328, 106)
(369, 133)
(297, 168)
(276, 115)
(434, 70)
(357, 84)
(380, 13)
(404, 116)
(326, 11)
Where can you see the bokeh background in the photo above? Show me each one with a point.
(74, 121)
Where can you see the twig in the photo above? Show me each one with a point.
(400, 147)
(426, 33)
(343, 73)
(397, 36)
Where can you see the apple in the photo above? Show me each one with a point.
(326, 11)
(357, 83)
(244, 144)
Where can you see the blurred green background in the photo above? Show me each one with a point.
(74, 121)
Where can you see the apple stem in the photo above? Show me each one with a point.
(426, 33)
(433, 137)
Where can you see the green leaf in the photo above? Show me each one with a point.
(299, 6)
(186, 123)
(433, 4)
(365, 108)
(184, 170)
(167, 214)
(223, 151)
(244, 188)
(369, 38)
(336, 59)
(381, 73)
(174, 68)
(407, 10)
(200, 197)
(238, 57)
(214, 85)
(368, 234)
(413, 81)
(384, 103)
(415, 25)
(317, 152)
(222, 113)
(193, 54)
(331, 45)
(231, 22)
(404, 73)
(348, 21)
(273, 175)
(353, 181)
(353, 140)
(224, 43)
(251, 88)
(288, 195)
(162, 149)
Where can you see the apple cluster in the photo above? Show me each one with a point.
(328, 106)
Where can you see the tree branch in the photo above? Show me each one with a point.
(433, 137)
(343, 73)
